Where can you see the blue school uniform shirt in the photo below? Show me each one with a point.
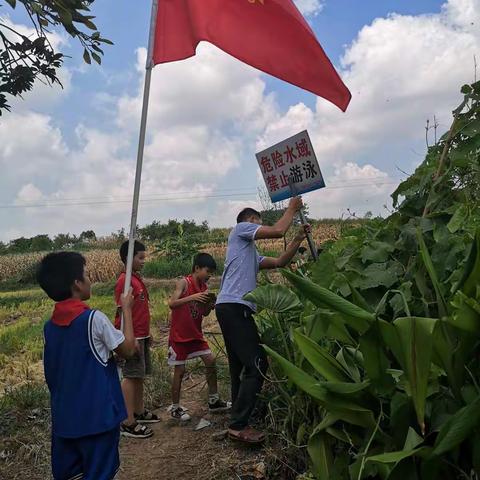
(242, 264)
(81, 374)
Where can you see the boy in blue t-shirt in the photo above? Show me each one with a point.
(86, 399)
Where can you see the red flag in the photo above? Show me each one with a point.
(270, 35)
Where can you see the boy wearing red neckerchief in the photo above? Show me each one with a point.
(189, 303)
(86, 399)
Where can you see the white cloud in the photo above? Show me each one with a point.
(310, 7)
(209, 114)
(28, 193)
(401, 70)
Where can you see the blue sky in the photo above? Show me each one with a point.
(403, 60)
(126, 23)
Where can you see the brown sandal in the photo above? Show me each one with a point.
(248, 435)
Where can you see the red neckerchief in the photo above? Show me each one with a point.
(66, 311)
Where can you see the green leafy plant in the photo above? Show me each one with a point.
(376, 375)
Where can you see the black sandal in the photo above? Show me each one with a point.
(147, 417)
(135, 431)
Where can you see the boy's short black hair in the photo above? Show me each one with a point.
(138, 247)
(247, 213)
(302, 250)
(202, 260)
(57, 273)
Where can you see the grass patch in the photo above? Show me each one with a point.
(22, 336)
(161, 267)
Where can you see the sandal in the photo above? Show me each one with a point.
(248, 435)
(135, 431)
(146, 417)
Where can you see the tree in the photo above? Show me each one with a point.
(19, 245)
(41, 243)
(87, 236)
(24, 60)
(64, 240)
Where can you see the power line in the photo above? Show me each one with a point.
(152, 198)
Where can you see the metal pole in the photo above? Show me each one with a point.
(301, 213)
(141, 147)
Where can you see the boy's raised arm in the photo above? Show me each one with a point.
(128, 346)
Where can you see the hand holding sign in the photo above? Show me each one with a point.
(296, 204)
(295, 159)
(290, 168)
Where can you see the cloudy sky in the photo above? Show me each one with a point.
(67, 157)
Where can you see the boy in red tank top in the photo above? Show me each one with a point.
(189, 303)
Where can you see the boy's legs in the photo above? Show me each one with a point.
(132, 389)
(101, 459)
(94, 457)
(134, 371)
(178, 374)
(66, 458)
(211, 373)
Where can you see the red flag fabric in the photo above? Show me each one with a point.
(270, 35)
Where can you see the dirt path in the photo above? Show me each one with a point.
(178, 452)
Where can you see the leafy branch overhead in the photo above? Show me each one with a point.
(27, 58)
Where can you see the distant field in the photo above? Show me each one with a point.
(104, 265)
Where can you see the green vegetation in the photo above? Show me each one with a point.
(376, 350)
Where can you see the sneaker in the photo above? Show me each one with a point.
(171, 407)
(147, 417)
(219, 406)
(180, 414)
(135, 431)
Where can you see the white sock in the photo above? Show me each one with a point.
(175, 406)
(214, 397)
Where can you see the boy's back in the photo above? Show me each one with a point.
(81, 375)
(86, 400)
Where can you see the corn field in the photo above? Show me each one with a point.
(104, 265)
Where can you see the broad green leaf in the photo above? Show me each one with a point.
(320, 455)
(394, 457)
(380, 274)
(458, 219)
(359, 300)
(376, 251)
(328, 420)
(376, 362)
(442, 309)
(276, 298)
(350, 359)
(339, 435)
(416, 341)
(457, 428)
(471, 274)
(413, 439)
(310, 385)
(321, 296)
(324, 363)
(345, 388)
(465, 313)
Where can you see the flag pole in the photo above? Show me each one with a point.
(141, 148)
